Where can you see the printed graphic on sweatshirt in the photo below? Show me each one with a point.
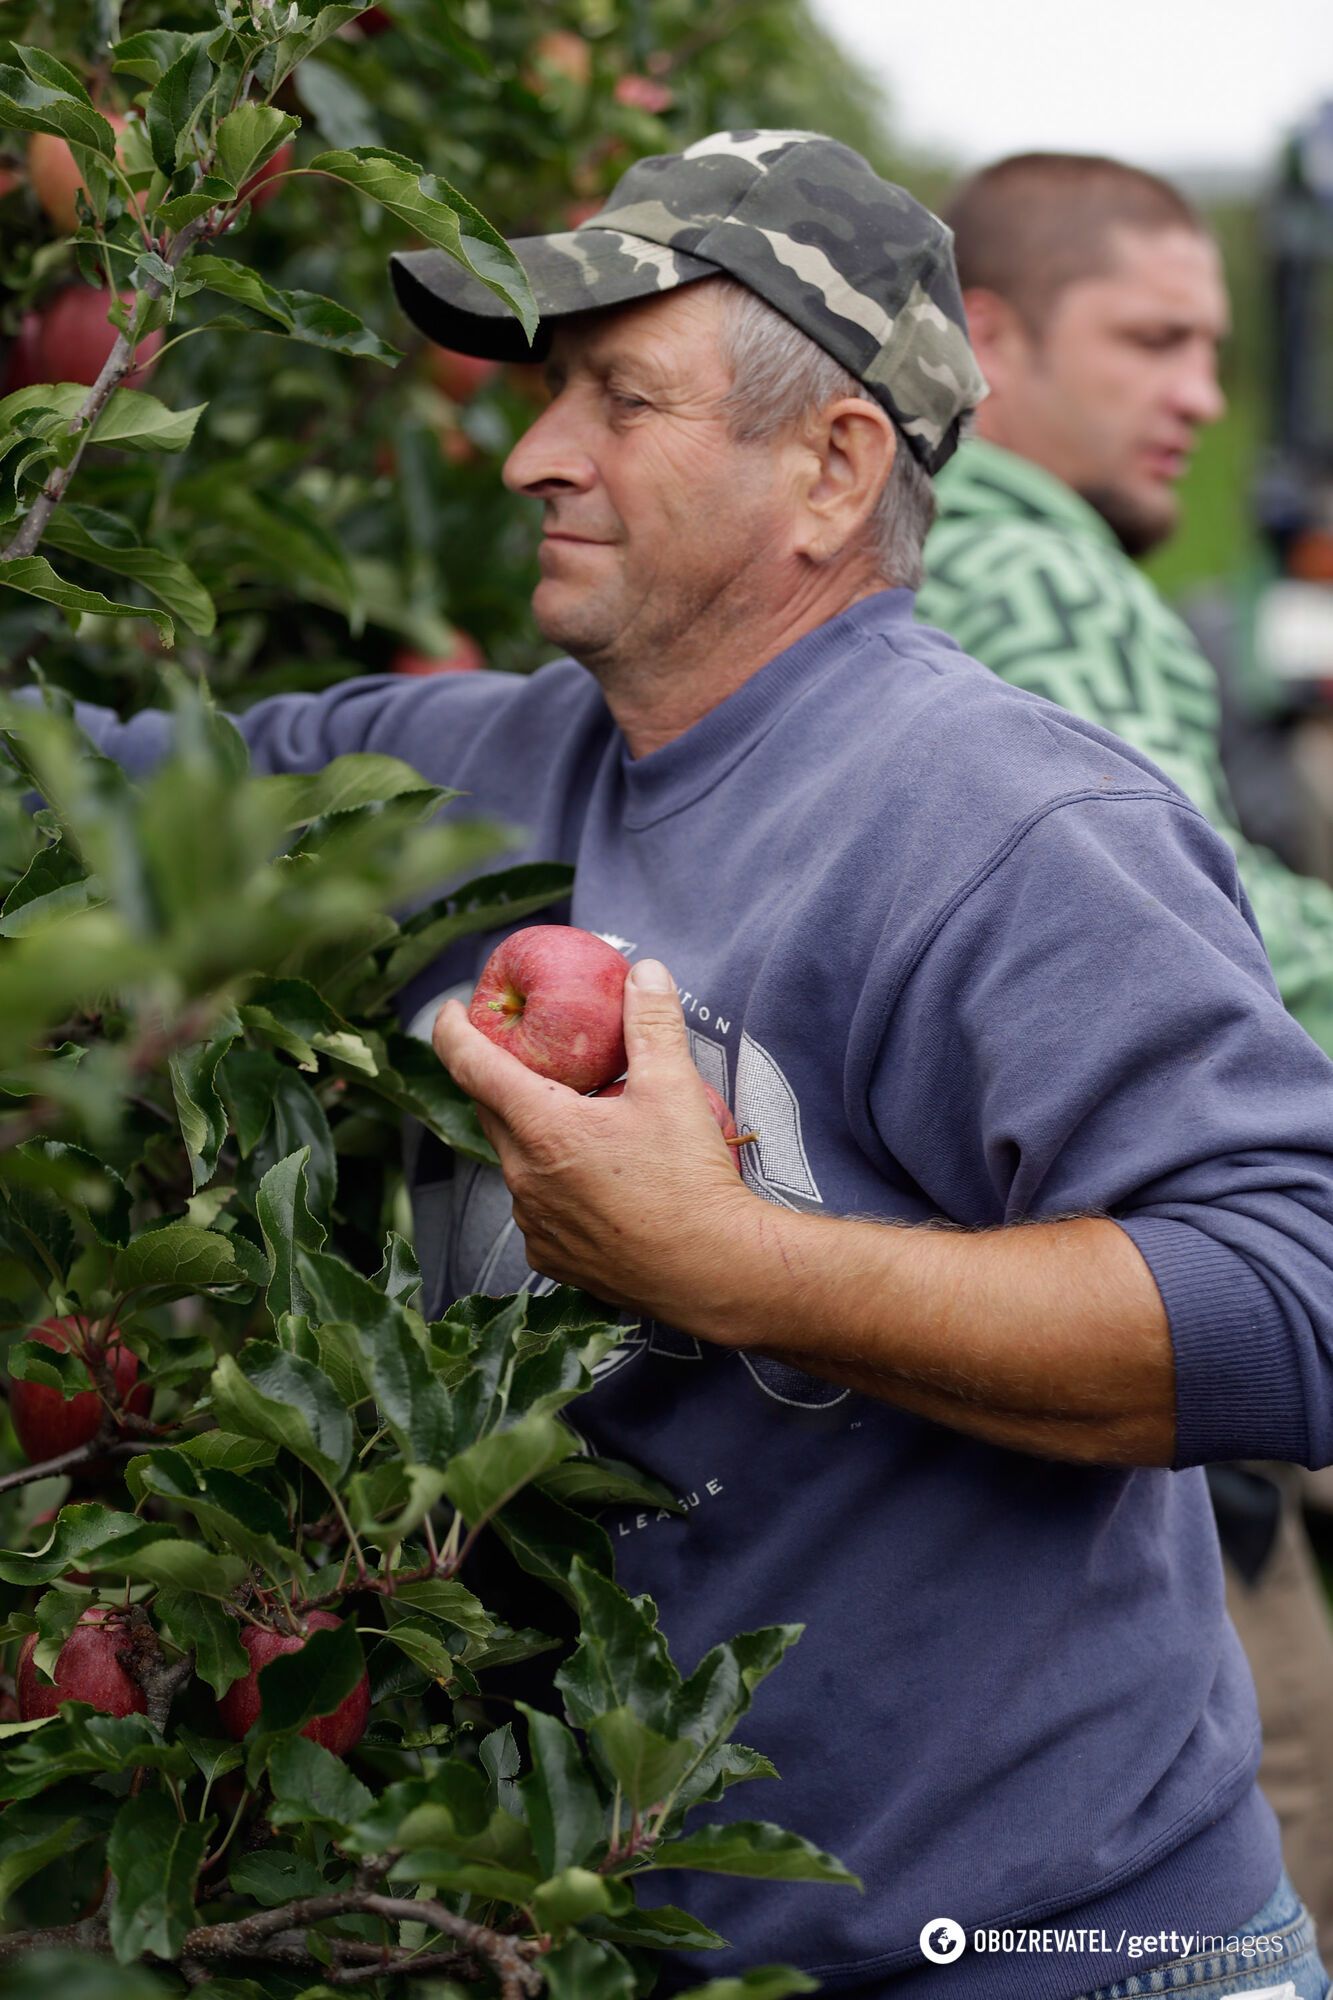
(467, 1240)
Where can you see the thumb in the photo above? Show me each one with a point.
(654, 1020)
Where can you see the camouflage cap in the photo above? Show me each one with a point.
(852, 260)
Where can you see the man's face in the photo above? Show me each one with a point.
(658, 525)
(1111, 393)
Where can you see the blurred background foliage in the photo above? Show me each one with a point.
(341, 513)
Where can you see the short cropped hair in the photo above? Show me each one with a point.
(1034, 223)
(778, 374)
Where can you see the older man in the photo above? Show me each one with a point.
(959, 960)
(1096, 304)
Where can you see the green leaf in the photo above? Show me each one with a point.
(416, 1081)
(150, 55)
(174, 106)
(180, 1259)
(489, 903)
(269, 1393)
(229, 1449)
(248, 1080)
(136, 421)
(437, 212)
(566, 1817)
(211, 191)
(55, 880)
(53, 1367)
(288, 1228)
(360, 778)
(449, 1601)
(250, 135)
(546, 1539)
(282, 57)
(399, 1276)
(80, 1532)
(621, 1660)
(583, 1968)
(33, 576)
(605, 1482)
(307, 317)
(299, 1121)
(572, 1896)
(109, 541)
(79, 1742)
(203, 1121)
(664, 1928)
(154, 1860)
(57, 1613)
(644, 1764)
(272, 1877)
(423, 1647)
(190, 1620)
(230, 1508)
(481, 1479)
(411, 1401)
(165, 1559)
(499, 1759)
(212, 1756)
(31, 106)
(312, 1786)
(752, 1848)
(302, 1022)
(761, 1982)
(296, 1687)
(46, 68)
(35, 1832)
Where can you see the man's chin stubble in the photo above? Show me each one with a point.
(1137, 528)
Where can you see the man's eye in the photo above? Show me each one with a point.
(624, 400)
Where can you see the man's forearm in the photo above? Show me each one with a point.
(1050, 1337)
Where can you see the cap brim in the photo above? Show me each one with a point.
(577, 271)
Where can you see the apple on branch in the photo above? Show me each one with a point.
(239, 1707)
(89, 1667)
(554, 997)
(48, 1424)
(68, 338)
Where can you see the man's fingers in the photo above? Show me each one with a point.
(654, 1022)
(498, 1081)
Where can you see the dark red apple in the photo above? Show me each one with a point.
(56, 181)
(459, 376)
(256, 190)
(558, 55)
(240, 1705)
(87, 1669)
(47, 1423)
(68, 338)
(554, 997)
(643, 93)
(466, 658)
(717, 1104)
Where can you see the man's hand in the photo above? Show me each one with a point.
(628, 1197)
(1048, 1338)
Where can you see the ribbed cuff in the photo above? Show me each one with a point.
(1238, 1387)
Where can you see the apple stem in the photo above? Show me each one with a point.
(743, 1139)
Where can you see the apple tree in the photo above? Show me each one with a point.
(318, 1676)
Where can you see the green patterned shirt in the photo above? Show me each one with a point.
(1031, 581)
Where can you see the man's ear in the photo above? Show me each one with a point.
(847, 456)
(998, 334)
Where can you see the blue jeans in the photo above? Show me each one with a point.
(1283, 1919)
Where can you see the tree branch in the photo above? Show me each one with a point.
(511, 1958)
(114, 370)
(107, 1444)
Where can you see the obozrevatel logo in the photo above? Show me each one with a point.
(942, 1940)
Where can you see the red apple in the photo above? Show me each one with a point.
(87, 1669)
(458, 376)
(56, 180)
(47, 1423)
(717, 1104)
(240, 1705)
(9, 180)
(68, 338)
(554, 997)
(256, 190)
(466, 658)
(642, 93)
(560, 54)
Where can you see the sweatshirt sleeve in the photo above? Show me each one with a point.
(1091, 1027)
(1080, 625)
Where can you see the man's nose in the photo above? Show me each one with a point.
(550, 457)
(1199, 393)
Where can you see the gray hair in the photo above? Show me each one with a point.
(778, 375)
